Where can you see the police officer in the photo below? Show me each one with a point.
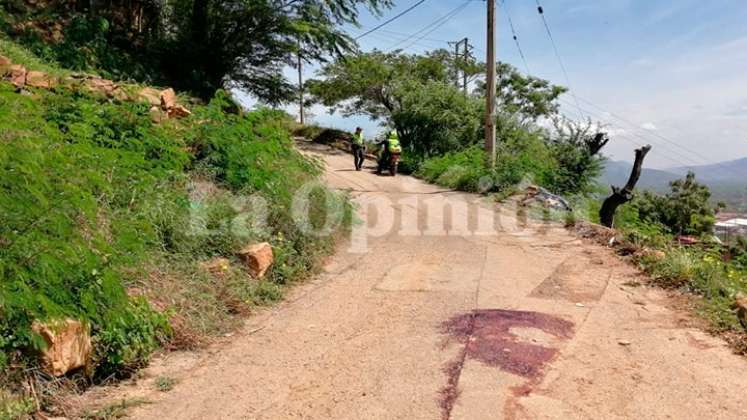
(388, 147)
(359, 148)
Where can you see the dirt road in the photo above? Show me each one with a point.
(439, 318)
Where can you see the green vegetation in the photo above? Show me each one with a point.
(686, 210)
(441, 127)
(114, 411)
(648, 227)
(84, 183)
(192, 45)
(108, 216)
(165, 383)
(13, 407)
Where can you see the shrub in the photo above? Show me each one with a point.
(308, 131)
(703, 272)
(461, 170)
(575, 148)
(94, 196)
(435, 118)
(738, 253)
(228, 147)
(331, 135)
(86, 44)
(685, 210)
(80, 181)
(13, 407)
(521, 156)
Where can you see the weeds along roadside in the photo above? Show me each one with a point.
(96, 225)
(713, 274)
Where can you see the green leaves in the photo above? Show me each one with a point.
(93, 193)
(685, 210)
(77, 178)
(526, 96)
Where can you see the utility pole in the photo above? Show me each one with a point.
(466, 59)
(456, 62)
(490, 87)
(461, 57)
(300, 85)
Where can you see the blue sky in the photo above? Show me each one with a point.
(675, 71)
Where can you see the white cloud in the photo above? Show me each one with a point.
(615, 131)
(649, 126)
(642, 62)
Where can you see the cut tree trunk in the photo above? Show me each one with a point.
(619, 195)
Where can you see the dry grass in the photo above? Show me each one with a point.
(200, 305)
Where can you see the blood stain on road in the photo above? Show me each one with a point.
(487, 337)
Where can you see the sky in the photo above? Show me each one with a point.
(670, 73)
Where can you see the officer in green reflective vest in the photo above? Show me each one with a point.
(394, 146)
(389, 147)
(359, 147)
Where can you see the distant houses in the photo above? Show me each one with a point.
(728, 230)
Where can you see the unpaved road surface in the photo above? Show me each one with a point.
(438, 319)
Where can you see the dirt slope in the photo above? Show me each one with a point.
(523, 323)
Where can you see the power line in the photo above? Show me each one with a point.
(637, 143)
(632, 124)
(391, 20)
(513, 33)
(389, 39)
(704, 159)
(557, 54)
(448, 18)
(647, 135)
(406, 35)
(629, 123)
(575, 97)
(629, 136)
(431, 27)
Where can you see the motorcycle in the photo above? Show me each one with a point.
(391, 163)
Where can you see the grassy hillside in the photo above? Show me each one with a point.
(99, 210)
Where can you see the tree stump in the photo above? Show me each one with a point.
(619, 195)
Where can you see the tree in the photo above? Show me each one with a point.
(371, 84)
(415, 94)
(412, 93)
(527, 97)
(435, 118)
(685, 210)
(577, 149)
(203, 45)
(247, 43)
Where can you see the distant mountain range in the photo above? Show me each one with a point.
(617, 172)
(727, 180)
(731, 173)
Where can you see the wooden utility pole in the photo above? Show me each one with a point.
(300, 86)
(490, 87)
